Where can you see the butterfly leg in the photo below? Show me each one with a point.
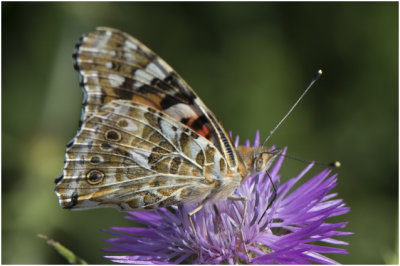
(245, 200)
(190, 214)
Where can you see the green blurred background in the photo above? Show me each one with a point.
(249, 62)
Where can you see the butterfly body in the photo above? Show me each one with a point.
(146, 140)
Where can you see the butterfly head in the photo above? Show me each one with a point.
(263, 158)
(257, 160)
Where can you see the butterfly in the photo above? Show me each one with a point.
(145, 139)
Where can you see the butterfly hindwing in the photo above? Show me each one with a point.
(131, 156)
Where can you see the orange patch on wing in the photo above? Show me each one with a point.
(203, 131)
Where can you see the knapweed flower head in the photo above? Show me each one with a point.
(286, 227)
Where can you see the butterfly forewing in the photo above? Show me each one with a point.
(113, 65)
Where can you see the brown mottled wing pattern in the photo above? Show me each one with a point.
(132, 156)
(113, 65)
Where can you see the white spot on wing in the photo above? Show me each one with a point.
(180, 110)
(130, 45)
(167, 130)
(131, 126)
(143, 76)
(130, 57)
(108, 33)
(154, 69)
(140, 157)
(115, 80)
(108, 65)
(112, 53)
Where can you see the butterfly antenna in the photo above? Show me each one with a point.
(316, 77)
(334, 164)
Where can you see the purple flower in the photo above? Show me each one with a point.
(289, 231)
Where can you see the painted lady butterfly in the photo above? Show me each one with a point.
(146, 140)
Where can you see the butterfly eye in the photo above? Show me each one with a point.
(113, 135)
(261, 162)
(258, 164)
(94, 177)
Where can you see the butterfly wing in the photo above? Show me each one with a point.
(131, 156)
(113, 65)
